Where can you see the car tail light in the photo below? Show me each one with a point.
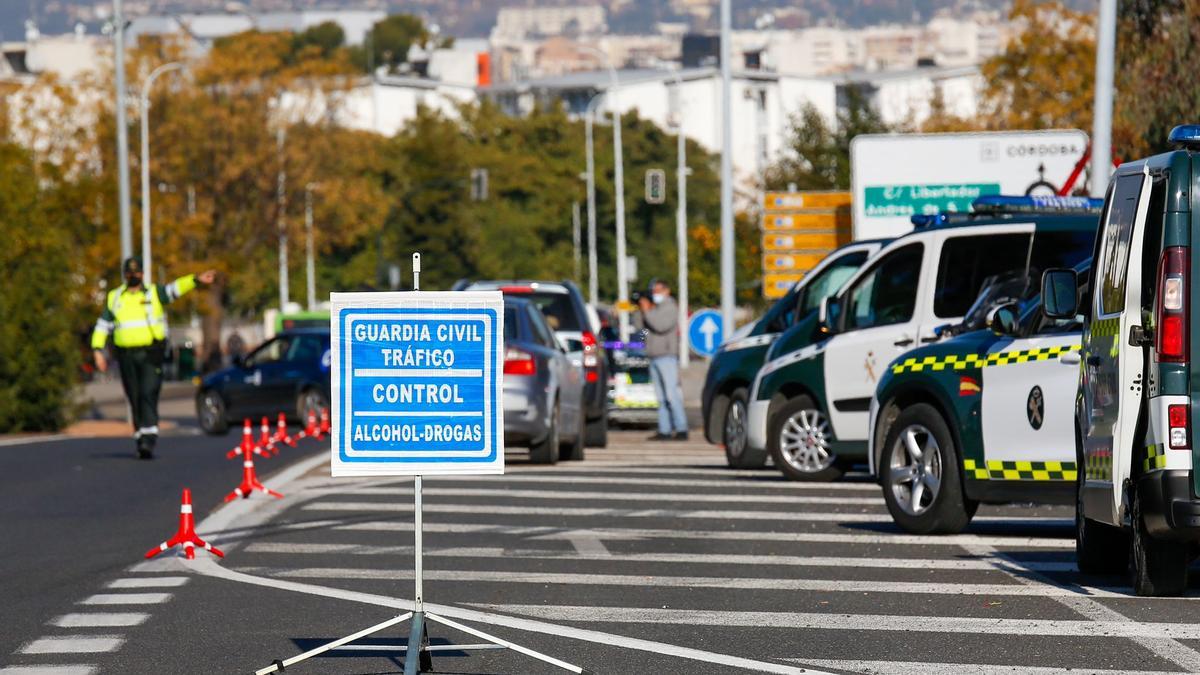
(519, 362)
(1178, 425)
(591, 357)
(592, 376)
(1172, 305)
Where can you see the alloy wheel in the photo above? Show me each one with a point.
(804, 441)
(915, 469)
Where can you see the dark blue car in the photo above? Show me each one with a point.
(288, 373)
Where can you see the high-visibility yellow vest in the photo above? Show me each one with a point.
(135, 318)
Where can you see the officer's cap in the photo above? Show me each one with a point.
(132, 265)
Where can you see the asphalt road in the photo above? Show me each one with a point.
(646, 558)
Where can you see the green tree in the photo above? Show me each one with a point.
(38, 300)
(327, 37)
(818, 156)
(390, 40)
(1158, 51)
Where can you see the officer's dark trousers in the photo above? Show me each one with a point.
(141, 376)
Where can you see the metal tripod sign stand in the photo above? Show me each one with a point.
(417, 390)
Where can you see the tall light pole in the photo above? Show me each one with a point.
(575, 237)
(588, 120)
(619, 200)
(122, 133)
(145, 114)
(727, 251)
(681, 174)
(1102, 104)
(281, 199)
(310, 263)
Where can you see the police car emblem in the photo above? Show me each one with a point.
(1035, 408)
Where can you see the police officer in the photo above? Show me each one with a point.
(134, 315)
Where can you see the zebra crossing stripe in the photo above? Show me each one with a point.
(926, 668)
(148, 582)
(897, 539)
(50, 670)
(857, 622)
(101, 620)
(618, 496)
(126, 599)
(74, 644)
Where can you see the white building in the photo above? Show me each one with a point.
(522, 22)
(205, 28)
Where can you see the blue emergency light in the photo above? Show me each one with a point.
(1036, 203)
(1187, 135)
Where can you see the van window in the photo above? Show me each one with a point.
(1118, 228)
(967, 261)
(888, 293)
(830, 280)
(1060, 249)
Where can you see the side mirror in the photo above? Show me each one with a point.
(827, 314)
(1002, 319)
(1059, 300)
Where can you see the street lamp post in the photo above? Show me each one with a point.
(681, 174)
(147, 86)
(310, 264)
(588, 121)
(281, 199)
(619, 200)
(122, 132)
(727, 274)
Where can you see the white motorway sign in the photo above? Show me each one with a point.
(897, 176)
(417, 383)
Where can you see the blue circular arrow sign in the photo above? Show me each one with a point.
(706, 330)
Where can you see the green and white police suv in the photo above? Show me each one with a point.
(734, 365)
(809, 408)
(1138, 490)
(985, 417)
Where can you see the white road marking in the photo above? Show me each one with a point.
(74, 644)
(578, 479)
(100, 620)
(923, 668)
(957, 625)
(559, 495)
(127, 599)
(790, 516)
(210, 568)
(716, 471)
(149, 582)
(49, 670)
(313, 548)
(30, 440)
(725, 535)
(658, 581)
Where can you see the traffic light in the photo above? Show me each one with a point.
(479, 185)
(656, 186)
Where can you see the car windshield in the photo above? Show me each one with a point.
(557, 308)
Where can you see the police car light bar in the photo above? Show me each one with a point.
(1187, 135)
(1036, 204)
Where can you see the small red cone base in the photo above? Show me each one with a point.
(247, 446)
(264, 438)
(250, 484)
(311, 428)
(186, 535)
(325, 429)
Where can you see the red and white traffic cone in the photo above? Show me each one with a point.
(281, 433)
(311, 429)
(264, 438)
(186, 534)
(247, 446)
(250, 483)
(325, 429)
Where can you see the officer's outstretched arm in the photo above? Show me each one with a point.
(104, 327)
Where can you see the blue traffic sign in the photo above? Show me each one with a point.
(416, 383)
(706, 329)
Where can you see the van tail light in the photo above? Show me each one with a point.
(1178, 426)
(1171, 345)
(591, 355)
(519, 362)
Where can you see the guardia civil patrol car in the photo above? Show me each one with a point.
(809, 408)
(1138, 498)
(987, 416)
(733, 367)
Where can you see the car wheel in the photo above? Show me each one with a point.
(545, 451)
(573, 451)
(596, 435)
(1100, 548)
(738, 453)
(800, 441)
(1158, 567)
(210, 410)
(921, 481)
(310, 399)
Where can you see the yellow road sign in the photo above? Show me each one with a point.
(808, 220)
(790, 201)
(792, 262)
(801, 240)
(777, 285)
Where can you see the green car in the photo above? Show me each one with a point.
(985, 417)
(790, 319)
(810, 407)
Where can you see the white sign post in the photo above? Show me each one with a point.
(417, 390)
(896, 176)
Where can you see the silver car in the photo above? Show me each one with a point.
(543, 389)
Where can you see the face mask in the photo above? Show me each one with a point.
(133, 280)
(658, 298)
